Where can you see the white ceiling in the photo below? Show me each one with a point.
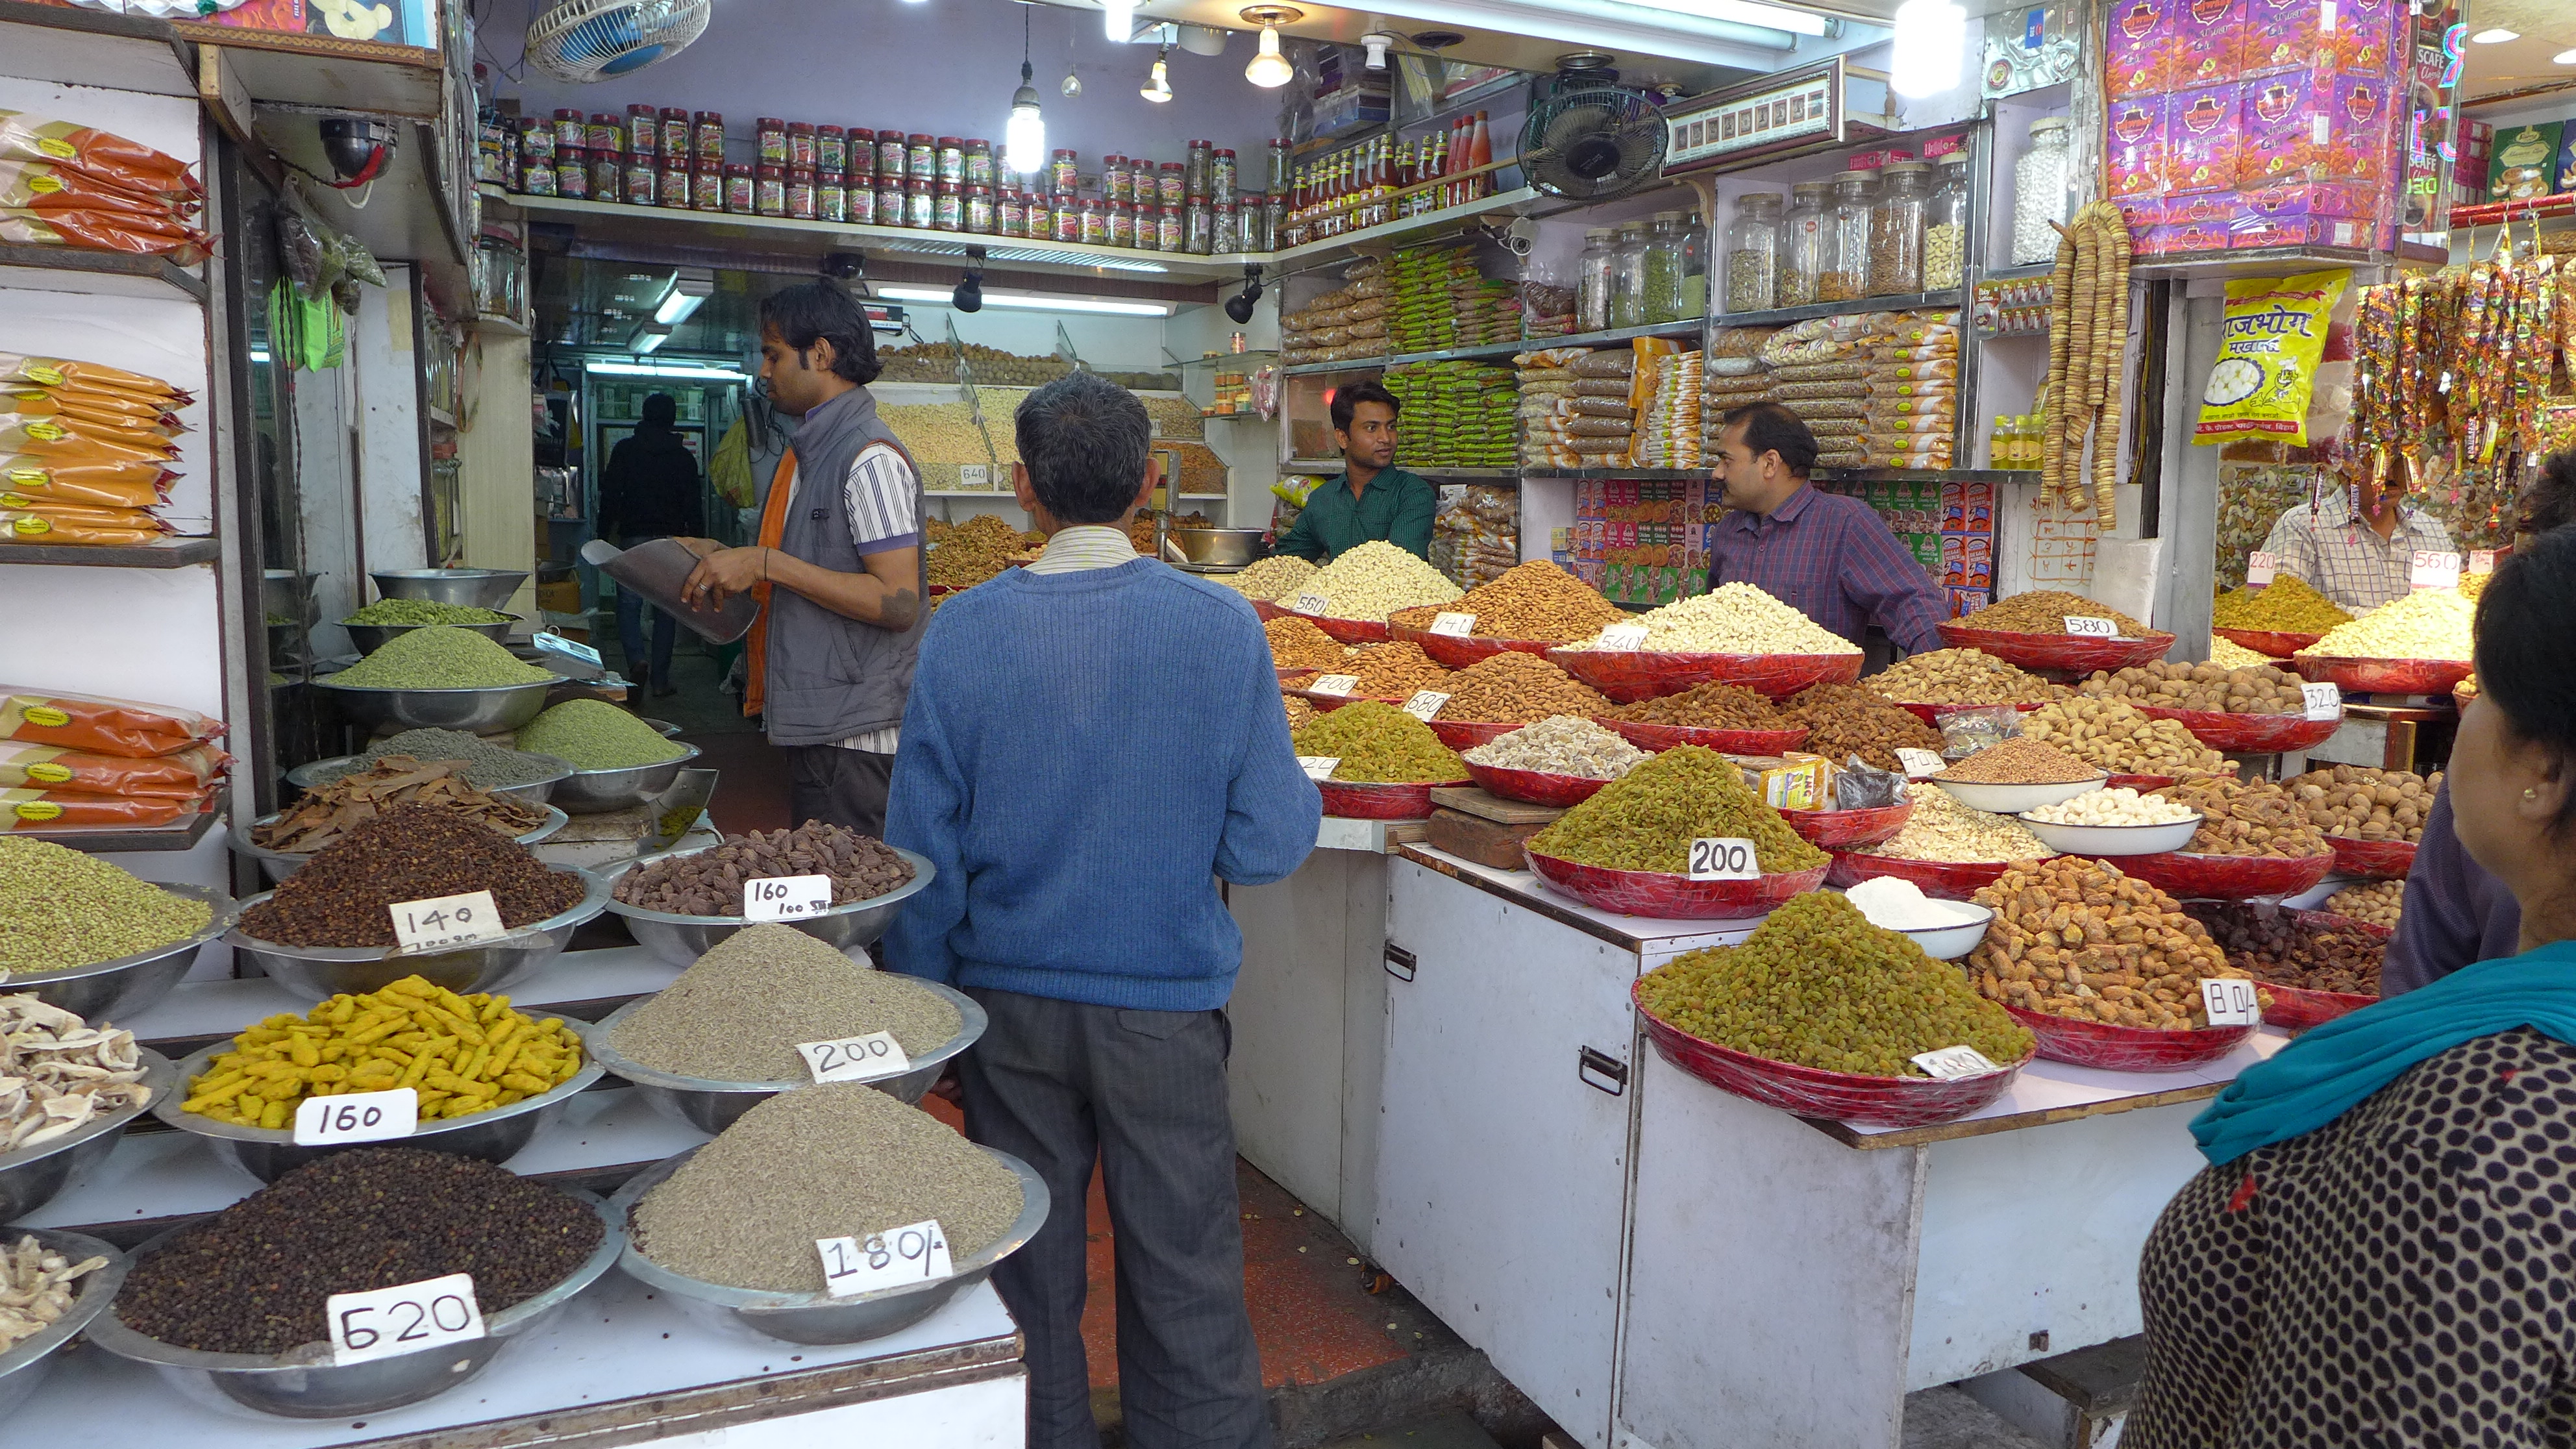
(2547, 27)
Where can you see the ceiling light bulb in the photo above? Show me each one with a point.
(1930, 40)
(1269, 69)
(1159, 89)
(1118, 18)
(2564, 57)
(1024, 135)
(2496, 36)
(1377, 42)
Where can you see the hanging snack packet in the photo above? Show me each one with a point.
(100, 725)
(104, 231)
(111, 158)
(55, 809)
(138, 484)
(60, 374)
(131, 432)
(185, 775)
(2268, 354)
(17, 525)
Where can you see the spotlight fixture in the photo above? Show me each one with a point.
(1378, 43)
(1202, 40)
(359, 148)
(1118, 18)
(969, 296)
(1240, 305)
(1024, 136)
(2564, 57)
(1159, 89)
(1269, 69)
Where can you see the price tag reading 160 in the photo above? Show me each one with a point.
(1723, 858)
(786, 897)
(357, 1117)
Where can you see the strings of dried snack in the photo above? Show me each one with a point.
(2088, 334)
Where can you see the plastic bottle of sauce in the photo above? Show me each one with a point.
(800, 145)
(709, 129)
(769, 134)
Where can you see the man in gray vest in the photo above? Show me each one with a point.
(837, 567)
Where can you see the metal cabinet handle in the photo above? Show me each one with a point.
(1601, 1071)
(1399, 962)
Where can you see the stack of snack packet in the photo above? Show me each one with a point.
(85, 451)
(75, 760)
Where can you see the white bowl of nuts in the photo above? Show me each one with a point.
(2115, 821)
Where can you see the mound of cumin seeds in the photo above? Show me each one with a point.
(738, 1013)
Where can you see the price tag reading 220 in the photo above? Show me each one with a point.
(1723, 857)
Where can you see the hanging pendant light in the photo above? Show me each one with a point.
(1159, 89)
(1931, 41)
(1024, 137)
(1269, 69)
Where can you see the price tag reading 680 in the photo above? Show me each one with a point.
(402, 1319)
(1723, 858)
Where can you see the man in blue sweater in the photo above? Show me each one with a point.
(1093, 742)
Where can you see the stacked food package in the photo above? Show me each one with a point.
(1547, 310)
(1457, 414)
(1913, 390)
(1592, 422)
(84, 452)
(1344, 324)
(1732, 375)
(1476, 537)
(73, 760)
(69, 185)
(1443, 301)
(1820, 371)
(1668, 428)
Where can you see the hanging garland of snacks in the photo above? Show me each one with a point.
(2088, 330)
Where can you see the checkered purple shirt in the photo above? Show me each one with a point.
(1834, 560)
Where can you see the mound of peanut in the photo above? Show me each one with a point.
(2075, 938)
(2112, 733)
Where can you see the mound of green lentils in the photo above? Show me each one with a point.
(1380, 744)
(395, 613)
(439, 658)
(592, 734)
(1647, 819)
(1818, 986)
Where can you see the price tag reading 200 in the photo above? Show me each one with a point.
(1723, 857)
(403, 1319)
(915, 1253)
(855, 1058)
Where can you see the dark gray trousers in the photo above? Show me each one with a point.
(838, 787)
(1056, 1084)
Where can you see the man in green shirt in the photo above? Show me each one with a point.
(1371, 499)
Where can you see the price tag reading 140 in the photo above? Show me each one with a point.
(2083, 626)
(446, 921)
(786, 897)
(402, 1319)
(1457, 626)
(2230, 1001)
(1723, 857)
(915, 1253)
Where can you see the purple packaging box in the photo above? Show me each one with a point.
(2142, 37)
(2209, 41)
(2137, 146)
(2204, 139)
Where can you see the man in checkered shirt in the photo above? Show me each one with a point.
(2359, 559)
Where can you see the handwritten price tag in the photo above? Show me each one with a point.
(2434, 570)
(975, 475)
(356, 1117)
(855, 1058)
(2260, 567)
(915, 1253)
(2324, 701)
(1919, 763)
(1624, 636)
(2085, 627)
(1334, 683)
(1425, 704)
(1312, 604)
(2230, 1001)
(407, 1318)
(786, 897)
(558, 644)
(1723, 857)
(1951, 1063)
(446, 921)
(2482, 560)
(1457, 626)
(1319, 767)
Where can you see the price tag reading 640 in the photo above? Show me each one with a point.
(402, 1319)
(1723, 858)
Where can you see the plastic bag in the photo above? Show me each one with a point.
(184, 775)
(55, 809)
(1583, 404)
(2268, 353)
(61, 373)
(100, 724)
(115, 485)
(1859, 785)
(110, 157)
(1974, 727)
(18, 525)
(103, 231)
(1608, 362)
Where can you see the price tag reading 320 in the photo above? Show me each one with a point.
(2324, 701)
(1457, 626)
(1723, 857)
(855, 1058)
(402, 1319)
(2230, 1001)
(786, 897)
(446, 921)
(356, 1117)
(915, 1253)
(2084, 626)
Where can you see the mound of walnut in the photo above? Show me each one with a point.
(2072, 937)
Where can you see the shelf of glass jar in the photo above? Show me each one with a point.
(1874, 236)
(1686, 327)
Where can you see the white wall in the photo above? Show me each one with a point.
(386, 359)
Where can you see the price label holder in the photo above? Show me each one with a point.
(1312, 604)
(975, 475)
(855, 1058)
(356, 1117)
(2085, 627)
(916, 1253)
(1425, 704)
(557, 644)
(1456, 626)
(442, 921)
(1341, 684)
(1920, 763)
(2433, 569)
(1951, 1063)
(2482, 560)
(1624, 637)
(786, 897)
(2324, 701)
(1319, 767)
(1723, 857)
(408, 1318)
(2230, 1001)
(2261, 567)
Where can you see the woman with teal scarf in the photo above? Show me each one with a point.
(2382, 1251)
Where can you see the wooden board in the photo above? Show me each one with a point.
(1469, 800)
(1486, 842)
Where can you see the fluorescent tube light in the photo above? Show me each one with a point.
(1034, 301)
(665, 369)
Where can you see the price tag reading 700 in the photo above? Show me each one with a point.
(1723, 858)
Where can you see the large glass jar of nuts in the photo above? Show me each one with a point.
(1945, 224)
(1753, 252)
(1804, 232)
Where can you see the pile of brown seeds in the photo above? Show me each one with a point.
(409, 853)
(709, 882)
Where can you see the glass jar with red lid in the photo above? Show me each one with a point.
(863, 155)
(920, 158)
(709, 126)
(1119, 223)
(952, 159)
(890, 200)
(568, 130)
(1117, 181)
(892, 155)
(1092, 222)
(770, 187)
(920, 203)
(948, 207)
(1064, 217)
(607, 176)
(643, 132)
(604, 133)
(769, 134)
(707, 188)
(1064, 174)
(1171, 184)
(572, 173)
(675, 137)
(831, 149)
(980, 170)
(741, 193)
(643, 181)
(1167, 229)
(863, 200)
(1010, 213)
(831, 196)
(800, 145)
(801, 203)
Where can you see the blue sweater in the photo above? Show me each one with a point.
(1084, 756)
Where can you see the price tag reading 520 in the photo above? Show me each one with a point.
(402, 1319)
(915, 1253)
(786, 897)
(1723, 857)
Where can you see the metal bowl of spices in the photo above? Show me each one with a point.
(127, 984)
(712, 1106)
(819, 1318)
(277, 865)
(270, 1153)
(33, 1176)
(371, 637)
(681, 940)
(668, 730)
(316, 973)
(319, 773)
(596, 792)
(475, 711)
(470, 588)
(24, 1367)
(303, 1383)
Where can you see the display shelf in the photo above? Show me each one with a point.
(1252, 358)
(1643, 475)
(71, 46)
(2023, 273)
(1352, 245)
(1949, 299)
(180, 834)
(1309, 369)
(112, 274)
(490, 321)
(1689, 328)
(1462, 475)
(2280, 261)
(1003, 494)
(167, 554)
(290, 68)
(1925, 475)
(1311, 465)
(1203, 495)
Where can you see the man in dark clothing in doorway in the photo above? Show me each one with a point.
(650, 490)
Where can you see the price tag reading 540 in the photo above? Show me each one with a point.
(1723, 857)
(912, 1254)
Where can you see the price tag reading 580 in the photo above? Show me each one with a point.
(2085, 626)
(1723, 858)
(403, 1319)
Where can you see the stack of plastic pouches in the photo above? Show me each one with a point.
(80, 760)
(68, 185)
(309, 306)
(85, 452)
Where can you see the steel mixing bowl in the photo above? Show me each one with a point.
(472, 588)
(596, 792)
(474, 711)
(303, 1383)
(681, 940)
(128, 984)
(819, 1318)
(711, 1105)
(34, 1176)
(1212, 547)
(277, 865)
(24, 1367)
(319, 972)
(371, 637)
(317, 773)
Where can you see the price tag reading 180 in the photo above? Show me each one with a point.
(2231, 1001)
(446, 921)
(855, 1058)
(356, 1117)
(786, 897)
(1457, 626)
(1723, 857)
(2432, 569)
(403, 1319)
(912, 1254)
(2324, 701)
(2084, 626)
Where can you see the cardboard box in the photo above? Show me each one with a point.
(2524, 163)
(560, 598)
(2142, 39)
(2318, 35)
(2209, 43)
(2204, 138)
(2137, 146)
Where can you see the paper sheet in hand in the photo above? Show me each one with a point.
(656, 570)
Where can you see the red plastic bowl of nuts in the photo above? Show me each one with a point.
(1466, 734)
(1931, 713)
(2270, 642)
(1457, 651)
(1833, 829)
(1659, 737)
(1347, 631)
(2127, 1048)
(1670, 896)
(2189, 877)
(2372, 859)
(2383, 676)
(1534, 787)
(2295, 1008)
(2139, 783)
(1628, 675)
(2250, 734)
(1812, 1092)
(1366, 800)
(2081, 653)
(2327, 920)
(1265, 611)
(1950, 880)
(1295, 677)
